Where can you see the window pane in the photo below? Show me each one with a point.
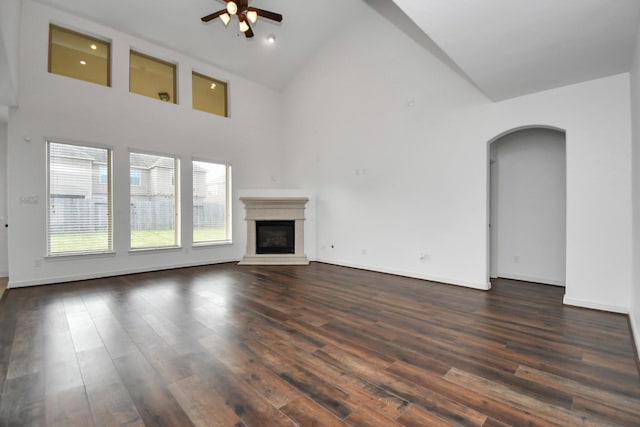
(154, 213)
(210, 202)
(152, 77)
(79, 56)
(209, 95)
(79, 202)
(134, 176)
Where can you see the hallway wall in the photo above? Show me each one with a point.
(529, 192)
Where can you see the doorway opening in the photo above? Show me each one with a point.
(527, 205)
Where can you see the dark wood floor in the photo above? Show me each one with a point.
(318, 345)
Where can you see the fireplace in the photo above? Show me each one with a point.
(275, 237)
(275, 231)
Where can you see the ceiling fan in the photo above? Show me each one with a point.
(246, 15)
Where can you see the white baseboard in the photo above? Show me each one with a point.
(533, 279)
(466, 284)
(74, 278)
(595, 306)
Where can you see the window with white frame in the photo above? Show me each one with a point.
(154, 201)
(79, 196)
(211, 202)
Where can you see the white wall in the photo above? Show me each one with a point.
(4, 259)
(635, 160)
(530, 204)
(9, 29)
(65, 109)
(395, 146)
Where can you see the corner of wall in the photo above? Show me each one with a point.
(634, 87)
(635, 334)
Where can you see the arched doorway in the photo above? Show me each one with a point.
(527, 205)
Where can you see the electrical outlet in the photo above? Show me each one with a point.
(29, 200)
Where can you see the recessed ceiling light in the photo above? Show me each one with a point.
(83, 62)
(213, 86)
(271, 39)
(94, 47)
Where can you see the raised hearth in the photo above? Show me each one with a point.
(275, 231)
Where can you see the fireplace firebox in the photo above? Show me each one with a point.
(275, 237)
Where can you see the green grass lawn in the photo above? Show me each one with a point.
(98, 241)
(209, 234)
(78, 242)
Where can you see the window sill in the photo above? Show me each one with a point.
(201, 245)
(69, 257)
(154, 250)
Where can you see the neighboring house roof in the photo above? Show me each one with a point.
(146, 161)
(197, 168)
(163, 162)
(96, 155)
(76, 152)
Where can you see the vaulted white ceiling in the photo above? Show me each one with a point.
(514, 47)
(506, 48)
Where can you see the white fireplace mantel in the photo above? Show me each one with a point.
(274, 209)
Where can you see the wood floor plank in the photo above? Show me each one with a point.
(520, 401)
(416, 416)
(153, 400)
(27, 353)
(246, 403)
(83, 332)
(442, 406)
(23, 401)
(360, 392)
(330, 396)
(306, 412)
(244, 364)
(69, 407)
(474, 399)
(364, 416)
(606, 412)
(203, 405)
(109, 400)
(309, 345)
(577, 389)
(113, 335)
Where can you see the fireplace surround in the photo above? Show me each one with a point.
(282, 244)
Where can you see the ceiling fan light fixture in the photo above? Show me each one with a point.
(252, 16)
(232, 8)
(225, 18)
(244, 27)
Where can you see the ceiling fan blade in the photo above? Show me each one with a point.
(213, 15)
(267, 14)
(249, 33)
